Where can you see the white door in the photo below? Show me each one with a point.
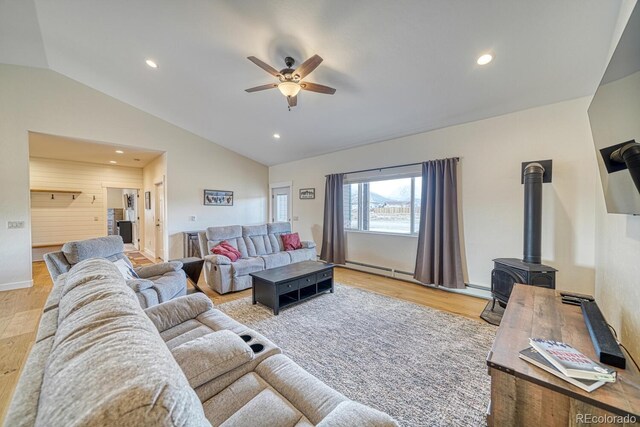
(159, 216)
(281, 204)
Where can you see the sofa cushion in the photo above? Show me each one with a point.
(291, 241)
(210, 356)
(275, 230)
(231, 233)
(308, 394)
(256, 239)
(93, 377)
(300, 255)
(276, 260)
(110, 247)
(242, 267)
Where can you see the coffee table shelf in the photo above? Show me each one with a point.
(283, 286)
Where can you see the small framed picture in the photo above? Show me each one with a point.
(307, 193)
(218, 198)
(147, 200)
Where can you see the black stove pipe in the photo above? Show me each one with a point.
(533, 174)
(630, 155)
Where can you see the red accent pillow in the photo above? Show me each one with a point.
(226, 249)
(291, 241)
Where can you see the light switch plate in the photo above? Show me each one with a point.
(295, 218)
(13, 225)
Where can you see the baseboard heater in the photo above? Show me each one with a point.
(377, 267)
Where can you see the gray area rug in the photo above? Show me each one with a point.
(422, 366)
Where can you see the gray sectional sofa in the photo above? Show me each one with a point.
(157, 283)
(261, 248)
(99, 359)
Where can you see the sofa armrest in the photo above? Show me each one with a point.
(217, 259)
(307, 244)
(172, 313)
(351, 413)
(139, 285)
(158, 269)
(210, 356)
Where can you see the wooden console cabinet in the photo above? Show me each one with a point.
(525, 395)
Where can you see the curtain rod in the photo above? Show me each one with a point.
(393, 167)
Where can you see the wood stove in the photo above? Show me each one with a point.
(529, 271)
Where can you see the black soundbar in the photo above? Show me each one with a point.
(607, 348)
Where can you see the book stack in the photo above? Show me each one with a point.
(566, 362)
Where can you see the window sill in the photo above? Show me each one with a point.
(382, 233)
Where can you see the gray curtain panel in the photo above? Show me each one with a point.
(439, 261)
(333, 229)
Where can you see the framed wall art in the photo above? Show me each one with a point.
(307, 193)
(218, 198)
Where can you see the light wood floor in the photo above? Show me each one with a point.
(20, 313)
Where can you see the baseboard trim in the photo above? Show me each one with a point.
(149, 254)
(407, 277)
(16, 285)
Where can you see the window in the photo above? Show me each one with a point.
(383, 205)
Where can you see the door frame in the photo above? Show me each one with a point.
(164, 219)
(140, 218)
(280, 185)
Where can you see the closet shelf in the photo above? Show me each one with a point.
(52, 192)
(44, 190)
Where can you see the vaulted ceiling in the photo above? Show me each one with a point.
(399, 67)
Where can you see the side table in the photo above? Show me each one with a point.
(192, 267)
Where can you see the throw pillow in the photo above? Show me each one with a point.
(226, 249)
(231, 248)
(125, 269)
(291, 241)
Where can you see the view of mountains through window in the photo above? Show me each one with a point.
(388, 206)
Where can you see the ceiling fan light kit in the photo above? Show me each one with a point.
(290, 80)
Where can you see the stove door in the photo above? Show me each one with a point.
(502, 281)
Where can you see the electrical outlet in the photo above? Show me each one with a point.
(12, 225)
(193, 218)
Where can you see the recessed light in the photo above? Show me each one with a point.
(151, 63)
(485, 59)
(113, 161)
(119, 151)
(276, 135)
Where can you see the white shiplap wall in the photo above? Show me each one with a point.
(64, 219)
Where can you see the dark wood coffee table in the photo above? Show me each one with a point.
(282, 286)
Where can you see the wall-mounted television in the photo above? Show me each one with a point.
(614, 115)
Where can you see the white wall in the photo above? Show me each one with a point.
(114, 198)
(64, 219)
(618, 240)
(491, 195)
(44, 101)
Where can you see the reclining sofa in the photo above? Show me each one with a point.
(157, 283)
(99, 359)
(261, 248)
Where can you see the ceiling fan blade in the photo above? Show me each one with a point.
(268, 68)
(263, 87)
(292, 100)
(313, 87)
(307, 66)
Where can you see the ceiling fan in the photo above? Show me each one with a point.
(290, 80)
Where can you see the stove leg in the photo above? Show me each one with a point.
(493, 305)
